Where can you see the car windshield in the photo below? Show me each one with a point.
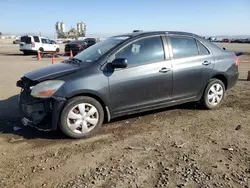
(94, 52)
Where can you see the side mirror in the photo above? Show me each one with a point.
(120, 63)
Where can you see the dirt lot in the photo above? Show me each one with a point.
(182, 146)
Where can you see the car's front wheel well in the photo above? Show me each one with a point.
(222, 78)
(106, 111)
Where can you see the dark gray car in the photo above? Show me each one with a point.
(123, 75)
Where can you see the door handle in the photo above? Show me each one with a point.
(206, 63)
(164, 70)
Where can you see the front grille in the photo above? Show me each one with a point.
(27, 98)
(25, 95)
(27, 102)
(36, 110)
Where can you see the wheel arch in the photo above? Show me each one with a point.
(222, 77)
(107, 116)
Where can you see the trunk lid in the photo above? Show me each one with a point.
(25, 43)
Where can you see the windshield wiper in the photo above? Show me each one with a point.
(73, 61)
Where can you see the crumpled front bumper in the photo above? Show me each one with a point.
(42, 114)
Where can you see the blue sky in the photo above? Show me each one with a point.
(109, 17)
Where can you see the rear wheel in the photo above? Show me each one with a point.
(213, 94)
(41, 49)
(81, 117)
(57, 50)
(26, 53)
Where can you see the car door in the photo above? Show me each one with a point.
(147, 80)
(37, 40)
(192, 65)
(51, 46)
(45, 45)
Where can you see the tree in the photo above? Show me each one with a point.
(0, 33)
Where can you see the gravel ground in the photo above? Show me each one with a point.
(182, 146)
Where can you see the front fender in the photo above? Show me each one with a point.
(96, 85)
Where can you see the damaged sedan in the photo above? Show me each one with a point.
(123, 75)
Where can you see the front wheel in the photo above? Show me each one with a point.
(41, 49)
(213, 94)
(81, 117)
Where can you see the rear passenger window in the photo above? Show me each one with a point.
(183, 47)
(44, 41)
(202, 49)
(36, 39)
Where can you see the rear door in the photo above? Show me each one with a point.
(37, 43)
(26, 43)
(192, 65)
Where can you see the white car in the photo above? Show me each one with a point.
(31, 44)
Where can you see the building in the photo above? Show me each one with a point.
(72, 33)
(9, 37)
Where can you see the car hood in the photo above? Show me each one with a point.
(52, 71)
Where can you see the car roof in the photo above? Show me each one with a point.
(76, 41)
(134, 34)
(34, 36)
(90, 39)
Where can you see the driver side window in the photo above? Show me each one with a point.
(147, 50)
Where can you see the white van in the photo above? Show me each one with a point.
(31, 44)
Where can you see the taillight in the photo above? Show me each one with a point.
(33, 44)
(236, 59)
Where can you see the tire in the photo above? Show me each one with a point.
(26, 53)
(212, 100)
(57, 50)
(72, 119)
(41, 50)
